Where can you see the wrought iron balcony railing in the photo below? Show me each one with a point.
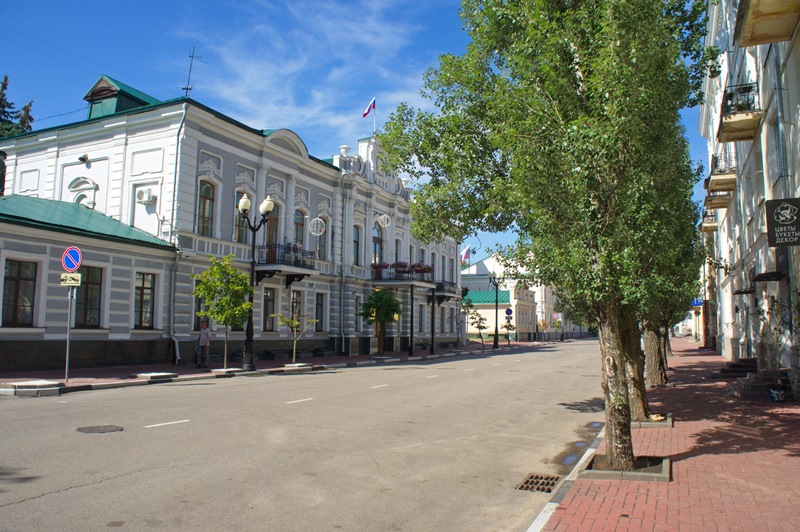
(287, 255)
(401, 274)
(741, 99)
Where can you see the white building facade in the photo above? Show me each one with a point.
(750, 120)
(177, 170)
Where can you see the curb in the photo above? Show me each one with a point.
(45, 388)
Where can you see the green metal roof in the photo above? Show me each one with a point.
(74, 219)
(484, 297)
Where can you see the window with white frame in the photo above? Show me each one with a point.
(144, 301)
(88, 297)
(19, 293)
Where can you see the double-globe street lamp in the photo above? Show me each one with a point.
(248, 360)
(496, 281)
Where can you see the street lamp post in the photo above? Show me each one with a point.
(248, 360)
(496, 281)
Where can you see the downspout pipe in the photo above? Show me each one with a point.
(341, 269)
(776, 61)
(179, 252)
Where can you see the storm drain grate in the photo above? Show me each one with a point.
(536, 482)
(100, 429)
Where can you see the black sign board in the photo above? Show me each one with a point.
(783, 222)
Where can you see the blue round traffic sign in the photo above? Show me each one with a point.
(71, 259)
(509, 312)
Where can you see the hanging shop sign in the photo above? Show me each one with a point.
(783, 222)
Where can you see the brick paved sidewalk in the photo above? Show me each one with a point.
(735, 462)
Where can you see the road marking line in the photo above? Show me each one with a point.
(380, 386)
(165, 424)
(431, 376)
(470, 369)
(300, 401)
(495, 364)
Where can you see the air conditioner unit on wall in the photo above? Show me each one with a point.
(144, 195)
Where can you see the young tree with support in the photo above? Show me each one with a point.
(224, 290)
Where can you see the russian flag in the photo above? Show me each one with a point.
(369, 108)
(465, 253)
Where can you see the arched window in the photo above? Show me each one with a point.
(433, 265)
(205, 209)
(356, 245)
(299, 228)
(271, 233)
(398, 246)
(377, 244)
(240, 226)
(322, 243)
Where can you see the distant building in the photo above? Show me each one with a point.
(513, 294)
(176, 170)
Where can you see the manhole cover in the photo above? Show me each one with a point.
(100, 429)
(536, 482)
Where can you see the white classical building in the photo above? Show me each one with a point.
(176, 170)
(750, 119)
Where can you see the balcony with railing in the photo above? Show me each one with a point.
(709, 224)
(765, 21)
(288, 259)
(717, 200)
(392, 276)
(741, 113)
(723, 173)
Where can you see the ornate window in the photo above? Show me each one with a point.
(240, 226)
(377, 244)
(299, 228)
(205, 209)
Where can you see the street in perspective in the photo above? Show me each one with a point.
(428, 445)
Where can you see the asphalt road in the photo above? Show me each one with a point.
(433, 446)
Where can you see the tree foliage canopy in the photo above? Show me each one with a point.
(224, 290)
(561, 121)
(13, 121)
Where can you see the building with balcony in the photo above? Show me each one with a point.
(749, 119)
(176, 170)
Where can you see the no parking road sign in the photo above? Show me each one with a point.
(71, 259)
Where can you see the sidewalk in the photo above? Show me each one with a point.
(735, 462)
(84, 379)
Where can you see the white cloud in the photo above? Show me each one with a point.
(316, 77)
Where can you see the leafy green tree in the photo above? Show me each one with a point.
(557, 122)
(381, 308)
(12, 120)
(477, 320)
(224, 290)
(298, 323)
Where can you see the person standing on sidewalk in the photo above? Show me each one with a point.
(203, 346)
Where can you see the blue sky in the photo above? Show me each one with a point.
(311, 66)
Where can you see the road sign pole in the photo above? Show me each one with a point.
(70, 298)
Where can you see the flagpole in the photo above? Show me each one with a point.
(375, 118)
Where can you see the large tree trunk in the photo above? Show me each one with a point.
(667, 347)
(656, 373)
(640, 407)
(656, 357)
(619, 444)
